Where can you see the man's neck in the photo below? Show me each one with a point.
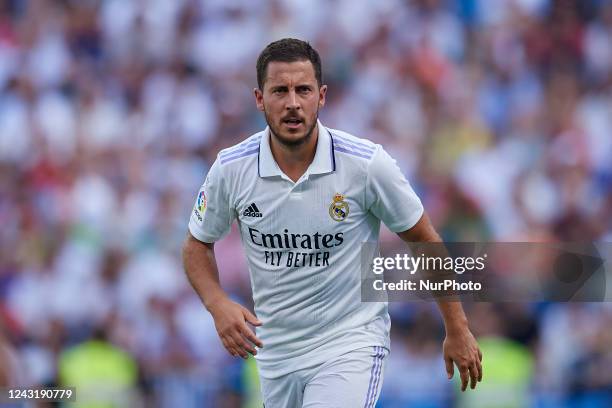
(294, 160)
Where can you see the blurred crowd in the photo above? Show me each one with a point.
(111, 112)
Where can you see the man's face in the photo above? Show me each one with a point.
(290, 100)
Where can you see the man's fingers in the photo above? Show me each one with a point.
(479, 366)
(450, 368)
(236, 347)
(465, 375)
(473, 376)
(250, 317)
(246, 346)
(479, 355)
(229, 348)
(243, 345)
(248, 333)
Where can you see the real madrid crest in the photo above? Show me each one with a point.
(339, 209)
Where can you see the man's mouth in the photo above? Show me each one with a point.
(292, 123)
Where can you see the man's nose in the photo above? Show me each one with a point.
(292, 101)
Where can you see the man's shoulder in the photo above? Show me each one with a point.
(351, 146)
(249, 147)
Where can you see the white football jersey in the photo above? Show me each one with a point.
(303, 241)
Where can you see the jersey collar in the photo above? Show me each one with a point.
(323, 162)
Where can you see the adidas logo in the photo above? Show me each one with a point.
(252, 211)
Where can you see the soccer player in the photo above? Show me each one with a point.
(305, 198)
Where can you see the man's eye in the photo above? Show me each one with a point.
(278, 91)
(304, 90)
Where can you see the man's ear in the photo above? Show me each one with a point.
(258, 98)
(322, 94)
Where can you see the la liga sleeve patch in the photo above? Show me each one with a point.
(200, 207)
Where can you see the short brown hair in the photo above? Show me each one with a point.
(287, 50)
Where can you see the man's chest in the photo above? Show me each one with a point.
(321, 205)
(303, 221)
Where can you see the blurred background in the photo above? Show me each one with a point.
(111, 112)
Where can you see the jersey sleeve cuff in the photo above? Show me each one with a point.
(411, 222)
(200, 236)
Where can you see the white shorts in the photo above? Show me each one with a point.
(351, 380)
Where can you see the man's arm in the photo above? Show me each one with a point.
(230, 317)
(460, 346)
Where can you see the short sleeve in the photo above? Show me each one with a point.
(389, 196)
(212, 215)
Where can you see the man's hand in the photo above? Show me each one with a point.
(460, 347)
(230, 322)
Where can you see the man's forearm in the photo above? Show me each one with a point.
(201, 269)
(453, 315)
(423, 238)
